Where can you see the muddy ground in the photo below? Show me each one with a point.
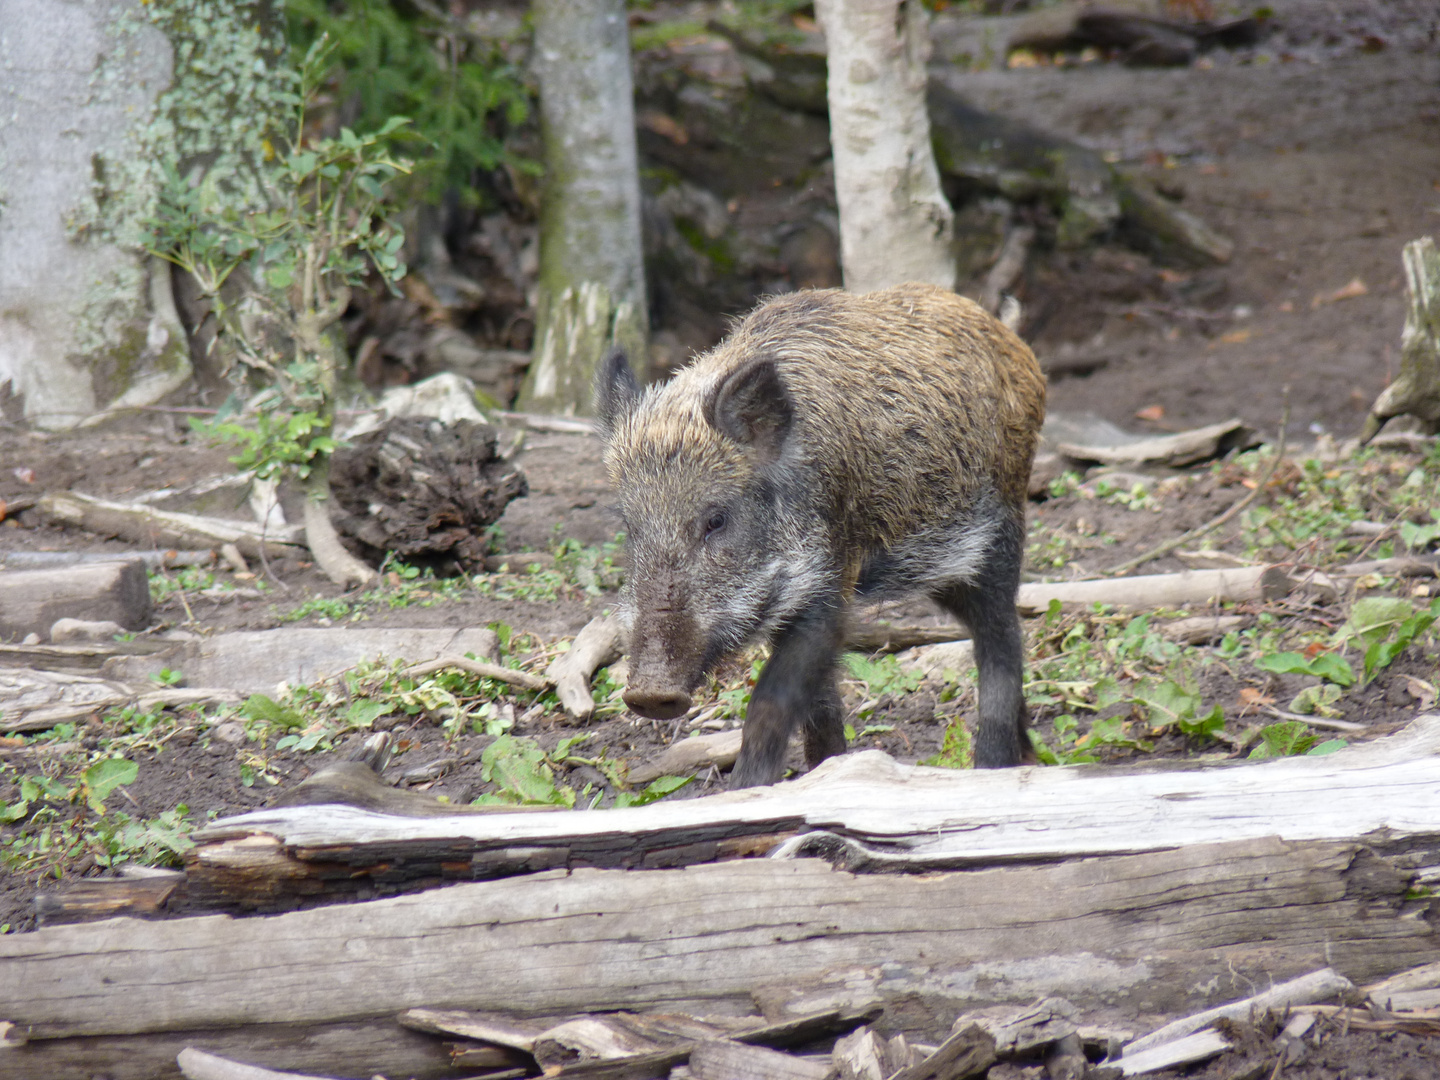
(1320, 159)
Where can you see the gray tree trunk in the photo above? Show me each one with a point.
(96, 101)
(1416, 390)
(84, 321)
(895, 224)
(592, 271)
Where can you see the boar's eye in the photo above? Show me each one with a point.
(715, 522)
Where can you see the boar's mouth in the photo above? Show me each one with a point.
(667, 661)
(657, 703)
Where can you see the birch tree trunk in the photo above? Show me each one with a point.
(895, 224)
(1416, 390)
(592, 271)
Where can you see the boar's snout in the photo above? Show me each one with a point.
(657, 703)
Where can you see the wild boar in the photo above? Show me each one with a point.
(833, 446)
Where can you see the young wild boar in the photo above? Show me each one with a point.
(832, 446)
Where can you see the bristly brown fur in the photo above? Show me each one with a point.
(832, 445)
(908, 400)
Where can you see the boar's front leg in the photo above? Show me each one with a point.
(797, 685)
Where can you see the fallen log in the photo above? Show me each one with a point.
(163, 528)
(32, 601)
(1182, 448)
(38, 700)
(863, 811)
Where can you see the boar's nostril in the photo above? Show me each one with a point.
(658, 704)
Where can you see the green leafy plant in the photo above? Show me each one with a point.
(1170, 704)
(324, 227)
(1384, 627)
(653, 792)
(1290, 738)
(1325, 665)
(1420, 537)
(419, 61)
(956, 751)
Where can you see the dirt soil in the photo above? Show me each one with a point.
(1320, 158)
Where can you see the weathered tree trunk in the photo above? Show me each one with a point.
(95, 101)
(592, 274)
(895, 225)
(1416, 390)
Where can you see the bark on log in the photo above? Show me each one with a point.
(164, 528)
(861, 810)
(895, 225)
(32, 601)
(1416, 390)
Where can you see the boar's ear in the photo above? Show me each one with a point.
(752, 406)
(616, 390)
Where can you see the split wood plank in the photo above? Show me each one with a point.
(1154, 929)
(879, 814)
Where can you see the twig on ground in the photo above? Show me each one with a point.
(1214, 523)
(1321, 722)
(522, 679)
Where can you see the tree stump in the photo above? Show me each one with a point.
(424, 490)
(1416, 390)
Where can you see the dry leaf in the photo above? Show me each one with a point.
(1355, 288)
(1235, 337)
(1151, 412)
(1254, 698)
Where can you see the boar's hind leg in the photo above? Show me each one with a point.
(797, 685)
(987, 606)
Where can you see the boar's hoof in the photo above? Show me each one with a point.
(658, 704)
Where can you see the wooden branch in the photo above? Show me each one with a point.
(966, 1054)
(1160, 590)
(1170, 1055)
(163, 528)
(718, 1059)
(601, 642)
(33, 700)
(523, 679)
(1307, 990)
(102, 898)
(691, 755)
(350, 1048)
(882, 637)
